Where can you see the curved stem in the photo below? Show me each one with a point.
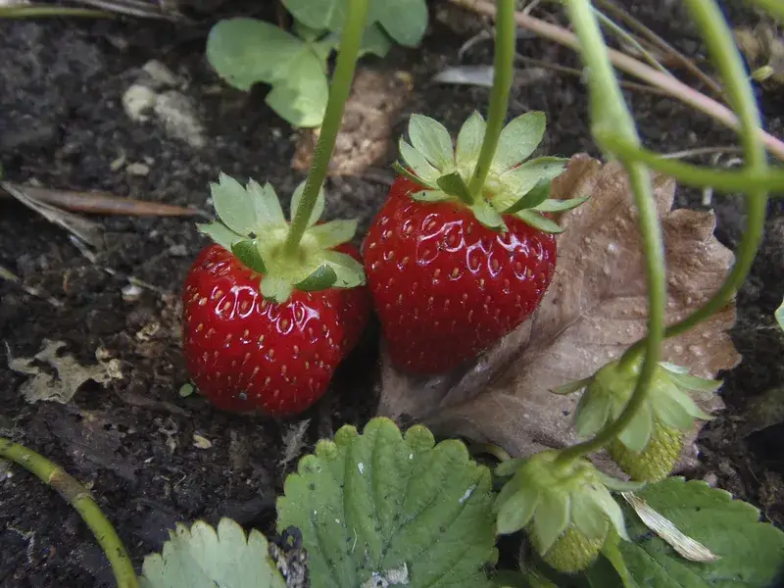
(42, 10)
(340, 88)
(609, 111)
(78, 497)
(503, 72)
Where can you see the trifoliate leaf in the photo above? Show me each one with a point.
(371, 503)
(431, 139)
(550, 519)
(519, 180)
(268, 210)
(244, 51)
(532, 199)
(276, 288)
(454, 185)
(518, 140)
(561, 205)
(469, 141)
(750, 552)
(234, 205)
(424, 173)
(404, 20)
(220, 234)
(538, 221)
(318, 209)
(348, 271)
(515, 512)
(248, 253)
(333, 233)
(200, 557)
(321, 279)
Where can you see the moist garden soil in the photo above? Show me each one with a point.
(151, 457)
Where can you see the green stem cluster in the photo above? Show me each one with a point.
(503, 72)
(340, 88)
(78, 497)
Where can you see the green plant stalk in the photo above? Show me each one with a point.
(38, 10)
(774, 7)
(728, 61)
(503, 72)
(609, 111)
(340, 88)
(78, 497)
(621, 33)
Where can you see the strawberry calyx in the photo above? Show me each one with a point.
(513, 186)
(251, 225)
(668, 401)
(547, 498)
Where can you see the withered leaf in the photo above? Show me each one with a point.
(595, 309)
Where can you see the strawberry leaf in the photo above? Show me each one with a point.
(373, 503)
(750, 552)
(321, 279)
(234, 205)
(248, 253)
(200, 557)
(469, 141)
(431, 139)
(318, 209)
(518, 140)
(404, 20)
(375, 41)
(318, 14)
(453, 185)
(301, 96)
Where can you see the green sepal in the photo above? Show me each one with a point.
(469, 141)
(276, 289)
(333, 233)
(516, 511)
(637, 434)
(220, 234)
(573, 386)
(431, 139)
(348, 271)
(553, 205)
(532, 199)
(689, 382)
(453, 185)
(248, 253)
(671, 412)
(318, 209)
(550, 519)
(423, 172)
(430, 196)
(401, 170)
(509, 467)
(619, 485)
(611, 508)
(488, 216)
(538, 221)
(587, 516)
(520, 180)
(267, 205)
(592, 414)
(234, 205)
(518, 140)
(324, 277)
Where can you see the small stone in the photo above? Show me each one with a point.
(201, 442)
(138, 169)
(160, 75)
(137, 101)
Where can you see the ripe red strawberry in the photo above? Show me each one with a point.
(449, 275)
(276, 353)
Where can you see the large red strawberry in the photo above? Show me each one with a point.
(263, 330)
(451, 274)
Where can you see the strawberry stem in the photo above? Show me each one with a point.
(503, 68)
(78, 497)
(340, 88)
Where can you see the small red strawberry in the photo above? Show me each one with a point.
(451, 274)
(263, 330)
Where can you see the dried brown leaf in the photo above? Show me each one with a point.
(593, 311)
(365, 134)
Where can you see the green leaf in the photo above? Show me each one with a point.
(780, 315)
(220, 234)
(588, 517)
(538, 221)
(430, 196)
(234, 205)
(375, 41)
(532, 199)
(276, 288)
(324, 277)
(550, 519)
(750, 552)
(201, 558)
(487, 215)
(301, 96)
(571, 387)
(518, 140)
(612, 554)
(469, 141)
(349, 272)
(318, 209)
(602, 497)
(248, 253)
(689, 382)
(319, 14)
(368, 504)
(404, 20)
(454, 185)
(592, 414)
(519, 180)
(561, 205)
(679, 397)
(244, 51)
(515, 512)
(424, 172)
(638, 432)
(431, 139)
(333, 233)
(265, 200)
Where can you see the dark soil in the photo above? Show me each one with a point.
(132, 440)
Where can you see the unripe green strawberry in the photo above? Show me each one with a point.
(656, 461)
(572, 552)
